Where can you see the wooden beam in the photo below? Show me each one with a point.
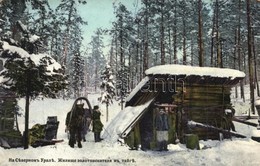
(244, 122)
(193, 124)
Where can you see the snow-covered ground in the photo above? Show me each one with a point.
(235, 152)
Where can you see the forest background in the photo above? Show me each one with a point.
(142, 34)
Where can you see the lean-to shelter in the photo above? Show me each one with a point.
(197, 94)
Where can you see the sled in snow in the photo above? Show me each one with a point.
(44, 142)
(43, 135)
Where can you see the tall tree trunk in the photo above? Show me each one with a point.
(145, 55)
(192, 51)
(235, 58)
(137, 53)
(66, 38)
(18, 7)
(121, 42)
(27, 103)
(130, 78)
(111, 53)
(213, 35)
(26, 127)
(162, 34)
(250, 58)
(96, 75)
(218, 39)
(122, 65)
(175, 60)
(169, 44)
(255, 66)
(239, 51)
(116, 49)
(184, 40)
(200, 40)
(141, 61)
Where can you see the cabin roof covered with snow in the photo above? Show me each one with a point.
(191, 74)
(194, 70)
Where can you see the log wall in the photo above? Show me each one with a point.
(205, 104)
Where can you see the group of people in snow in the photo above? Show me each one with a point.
(78, 122)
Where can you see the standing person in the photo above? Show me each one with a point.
(162, 127)
(229, 114)
(97, 124)
(86, 122)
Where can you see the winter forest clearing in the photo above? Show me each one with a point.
(217, 153)
(158, 81)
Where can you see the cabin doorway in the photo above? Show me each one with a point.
(147, 124)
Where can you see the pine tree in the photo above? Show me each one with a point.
(68, 14)
(56, 40)
(122, 84)
(123, 32)
(250, 57)
(77, 75)
(96, 60)
(107, 87)
(40, 19)
(27, 73)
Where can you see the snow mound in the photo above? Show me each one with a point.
(256, 133)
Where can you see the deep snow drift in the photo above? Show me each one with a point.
(235, 152)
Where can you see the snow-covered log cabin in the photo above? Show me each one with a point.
(197, 94)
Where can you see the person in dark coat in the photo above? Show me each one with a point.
(229, 114)
(97, 124)
(74, 123)
(162, 127)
